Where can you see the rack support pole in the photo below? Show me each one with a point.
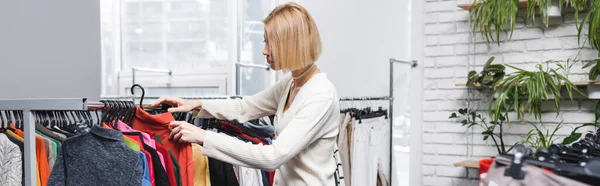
(30, 153)
(391, 108)
(413, 64)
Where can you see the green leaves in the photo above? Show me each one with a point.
(576, 135)
(597, 112)
(571, 138)
(489, 76)
(541, 139)
(537, 86)
(497, 13)
(470, 118)
(542, 9)
(595, 64)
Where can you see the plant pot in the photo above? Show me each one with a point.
(554, 13)
(593, 91)
(554, 10)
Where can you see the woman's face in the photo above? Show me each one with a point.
(267, 52)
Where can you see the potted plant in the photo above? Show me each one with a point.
(489, 75)
(542, 139)
(488, 14)
(536, 86)
(546, 8)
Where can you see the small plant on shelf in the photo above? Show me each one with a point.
(537, 86)
(470, 118)
(540, 139)
(489, 75)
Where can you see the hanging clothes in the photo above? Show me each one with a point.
(146, 137)
(221, 173)
(98, 157)
(344, 149)
(249, 177)
(367, 156)
(146, 181)
(10, 162)
(159, 125)
(169, 164)
(19, 142)
(534, 176)
(40, 152)
(201, 173)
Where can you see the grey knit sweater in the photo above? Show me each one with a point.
(97, 158)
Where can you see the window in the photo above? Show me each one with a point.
(184, 47)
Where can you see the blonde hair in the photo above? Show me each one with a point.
(292, 36)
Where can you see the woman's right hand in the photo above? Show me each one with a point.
(179, 105)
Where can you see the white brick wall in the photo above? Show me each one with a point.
(451, 51)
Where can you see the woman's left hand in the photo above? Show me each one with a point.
(182, 131)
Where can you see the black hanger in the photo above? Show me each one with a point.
(143, 92)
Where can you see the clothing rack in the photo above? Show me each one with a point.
(390, 99)
(183, 97)
(28, 106)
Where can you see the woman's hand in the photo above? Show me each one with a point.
(179, 105)
(184, 132)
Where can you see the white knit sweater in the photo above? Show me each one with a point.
(306, 133)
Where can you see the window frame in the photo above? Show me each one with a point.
(226, 77)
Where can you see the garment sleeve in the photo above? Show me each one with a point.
(259, 105)
(300, 132)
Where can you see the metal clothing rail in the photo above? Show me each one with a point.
(364, 98)
(183, 97)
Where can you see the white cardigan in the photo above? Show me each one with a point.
(306, 133)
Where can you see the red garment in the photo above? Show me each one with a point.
(485, 164)
(252, 139)
(168, 163)
(271, 177)
(236, 130)
(547, 170)
(231, 128)
(159, 125)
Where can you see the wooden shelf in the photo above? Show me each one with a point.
(522, 4)
(579, 84)
(468, 164)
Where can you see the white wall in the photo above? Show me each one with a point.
(451, 51)
(49, 49)
(358, 38)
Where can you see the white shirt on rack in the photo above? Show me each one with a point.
(306, 132)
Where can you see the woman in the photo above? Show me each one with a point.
(305, 104)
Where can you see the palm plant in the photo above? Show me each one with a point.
(497, 13)
(537, 86)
